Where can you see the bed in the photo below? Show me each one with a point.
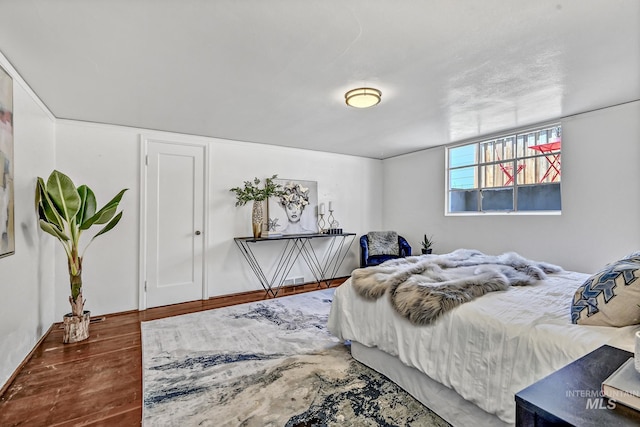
(468, 363)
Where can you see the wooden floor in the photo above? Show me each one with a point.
(97, 382)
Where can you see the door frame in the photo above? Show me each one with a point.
(144, 143)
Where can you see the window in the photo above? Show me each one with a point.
(513, 173)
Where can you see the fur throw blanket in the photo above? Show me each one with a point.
(422, 288)
(383, 243)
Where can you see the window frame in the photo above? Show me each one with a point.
(513, 161)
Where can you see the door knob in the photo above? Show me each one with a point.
(198, 232)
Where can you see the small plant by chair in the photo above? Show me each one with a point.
(427, 244)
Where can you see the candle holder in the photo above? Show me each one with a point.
(331, 219)
(322, 224)
(333, 224)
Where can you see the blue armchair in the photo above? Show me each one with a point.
(370, 257)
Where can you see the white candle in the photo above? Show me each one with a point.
(330, 206)
(321, 209)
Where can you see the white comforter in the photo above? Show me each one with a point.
(487, 349)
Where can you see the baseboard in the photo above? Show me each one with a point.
(16, 371)
(284, 290)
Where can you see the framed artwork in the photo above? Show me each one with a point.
(7, 228)
(295, 211)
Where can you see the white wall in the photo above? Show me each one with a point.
(34, 281)
(107, 159)
(600, 219)
(599, 223)
(351, 183)
(26, 278)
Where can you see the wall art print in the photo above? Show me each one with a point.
(295, 211)
(7, 228)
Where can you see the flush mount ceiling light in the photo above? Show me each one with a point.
(363, 97)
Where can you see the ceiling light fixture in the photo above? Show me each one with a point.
(363, 97)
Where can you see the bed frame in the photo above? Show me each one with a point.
(440, 399)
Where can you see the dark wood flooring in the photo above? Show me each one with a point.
(97, 382)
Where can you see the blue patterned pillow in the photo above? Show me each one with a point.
(634, 256)
(610, 297)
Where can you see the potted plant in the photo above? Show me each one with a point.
(65, 212)
(427, 244)
(252, 192)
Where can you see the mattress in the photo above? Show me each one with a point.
(487, 349)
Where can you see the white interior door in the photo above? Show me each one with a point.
(174, 223)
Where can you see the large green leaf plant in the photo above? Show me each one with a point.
(65, 212)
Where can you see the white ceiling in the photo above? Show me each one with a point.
(275, 71)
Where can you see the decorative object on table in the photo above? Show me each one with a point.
(7, 225)
(272, 228)
(321, 224)
(330, 219)
(624, 385)
(334, 225)
(272, 224)
(252, 192)
(427, 243)
(66, 212)
(296, 206)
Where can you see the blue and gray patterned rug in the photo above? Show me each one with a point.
(268, 363)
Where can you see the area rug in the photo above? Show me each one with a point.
(268, 363)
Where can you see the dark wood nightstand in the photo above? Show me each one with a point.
(571, 395)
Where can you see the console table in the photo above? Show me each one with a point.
(294, 246)
(571, 395)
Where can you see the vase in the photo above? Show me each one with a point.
(256, 219)
(76, 328)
